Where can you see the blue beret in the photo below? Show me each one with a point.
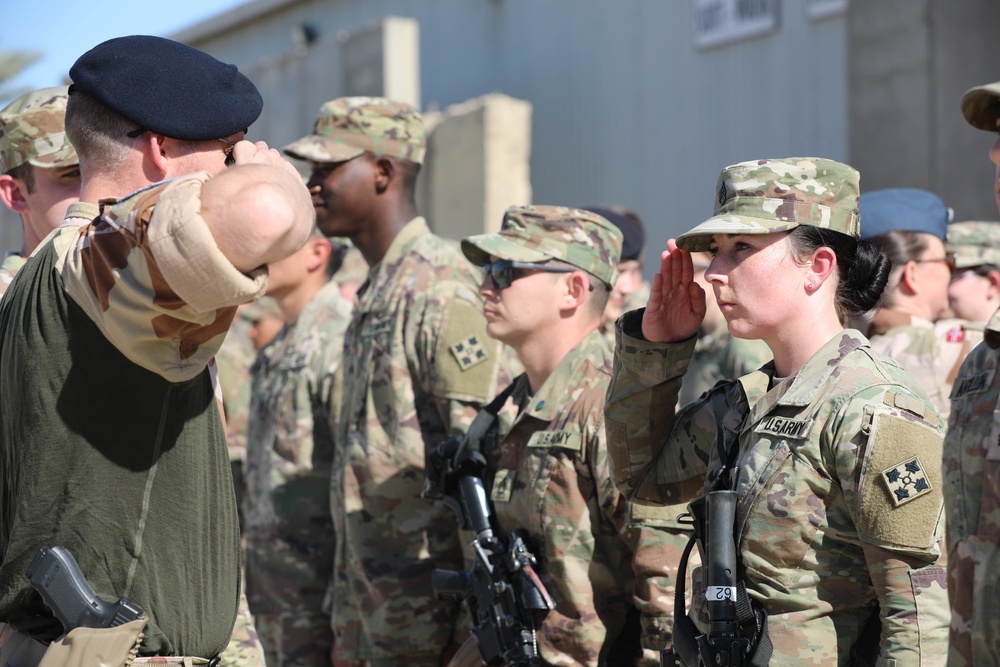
(634, 235)
(902, 209)
(167, 87)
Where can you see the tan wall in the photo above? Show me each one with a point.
(477, 164)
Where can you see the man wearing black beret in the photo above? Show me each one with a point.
(112, 443)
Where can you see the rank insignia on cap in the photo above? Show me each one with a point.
(906, 481)
(469, 352)
(723, 195)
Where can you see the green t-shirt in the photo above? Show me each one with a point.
(128, 471)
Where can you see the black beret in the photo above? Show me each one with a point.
(168, 87)
(634, 235)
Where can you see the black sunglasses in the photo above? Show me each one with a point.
(501, 272)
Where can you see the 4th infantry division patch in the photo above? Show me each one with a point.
(906, 481)
(469, 352)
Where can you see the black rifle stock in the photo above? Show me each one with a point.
(501, 588)
(714, 516)
(54, 573)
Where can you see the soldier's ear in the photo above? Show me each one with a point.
(154, 151)
(577, 288)
(994, 277)
(11, 194)
(385, 173)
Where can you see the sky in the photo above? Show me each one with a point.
(64, 29)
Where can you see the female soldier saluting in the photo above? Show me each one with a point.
(833, 451)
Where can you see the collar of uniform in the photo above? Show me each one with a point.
(82, 210)
(887, 319)
(551, 397)
(801, 389)
(370, 291)
(13, 262)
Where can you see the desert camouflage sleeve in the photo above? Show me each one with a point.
(150, 276)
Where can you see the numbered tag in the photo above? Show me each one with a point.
(720, 594)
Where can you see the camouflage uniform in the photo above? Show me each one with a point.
(548, 475)
(289, 532)
(633, 301)
(972, 473)
(931, 352)
(839, 513)
(32, 133)
(972, 496)
(719, 356)
(158, 472)
(417, 367)
(234, 360)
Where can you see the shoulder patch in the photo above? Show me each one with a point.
(469, 352)
(466, 358)
(899, 501)
(906, 481)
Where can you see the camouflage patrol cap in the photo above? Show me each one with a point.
(974, 243)
(348, 126)
(542, 233)
(981, 106)
(32, 131)
(775, 195)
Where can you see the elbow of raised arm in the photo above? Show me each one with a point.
(258, 214)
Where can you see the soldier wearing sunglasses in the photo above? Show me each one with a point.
(546, 280)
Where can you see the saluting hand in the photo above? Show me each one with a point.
(676, 305)
(247, 152)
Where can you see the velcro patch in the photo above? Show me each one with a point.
(908, 403)
(896, 457)
(564, 439)
(503, 486)
(796, 429)
(469, 352)
(906, 481)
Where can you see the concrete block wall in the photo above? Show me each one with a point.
(477, 164)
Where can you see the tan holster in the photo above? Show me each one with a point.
(93, 647)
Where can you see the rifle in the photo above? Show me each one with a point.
(504, 593)
(737, 635)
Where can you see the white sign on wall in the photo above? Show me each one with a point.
(718, 22)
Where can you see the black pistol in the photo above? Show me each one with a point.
(54, 573)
